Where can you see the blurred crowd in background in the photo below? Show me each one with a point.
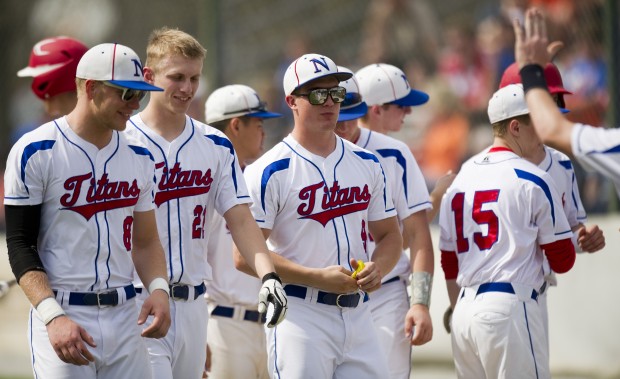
(454, 50)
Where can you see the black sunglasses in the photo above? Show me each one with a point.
(128, 93)
(319, 96)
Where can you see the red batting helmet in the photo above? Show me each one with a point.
(552, 76)
(52, 65)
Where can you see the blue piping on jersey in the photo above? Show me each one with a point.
(419, 204)
(372, 157)
(275, 349)
(529, 334)
(344, 224)
(400, 159)
(271, 169)
(105, 214)
(142, 151)
(541, 183)
(365, 144)
(225, 142)
(31, 150)
(163, 154)
(566, 164)
(95, 189)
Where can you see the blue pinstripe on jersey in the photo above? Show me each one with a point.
(372, 157)
(226, 143)
(400, 159)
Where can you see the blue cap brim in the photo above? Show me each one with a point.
(134, 84)
(264, 114)
(414, 97)
(564, 111)
(353, 113)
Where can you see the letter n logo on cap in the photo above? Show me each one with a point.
(138, 68)
(318, 63)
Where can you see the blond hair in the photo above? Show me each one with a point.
(166, 41)
(500, 128)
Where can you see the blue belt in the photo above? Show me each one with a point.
(229, 312)
(394, 279)
(181, 291)
(501, 287)
(108, 298)
(328, 298)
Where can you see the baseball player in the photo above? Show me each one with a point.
(79, 210)
(496, 220)
(235, 333)
(317, 197)
(393, 317)
(52, 66)
(595, 148)
(197, 174)
(585, 238)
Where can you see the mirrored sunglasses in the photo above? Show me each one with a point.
(319, 96)
(128, 94)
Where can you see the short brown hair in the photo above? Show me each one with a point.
(166, 41)
(500, 127)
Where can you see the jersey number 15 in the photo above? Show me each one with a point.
(479, 216)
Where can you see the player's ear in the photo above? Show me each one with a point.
(149, 75)
(90, 87)
(291, 101)
(514, 127)
(233, 125)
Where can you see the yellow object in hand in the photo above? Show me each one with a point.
(360, 267)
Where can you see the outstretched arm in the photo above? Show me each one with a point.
(531, 53)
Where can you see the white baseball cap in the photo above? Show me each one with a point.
(235, 100)
(116, 64)
(310, 67)
(507, 102)
(383, 83)
(353, 106)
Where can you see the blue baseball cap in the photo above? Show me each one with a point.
(353, 107)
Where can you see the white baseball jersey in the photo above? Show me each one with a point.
(407, 184)
(318, 211)
(320, 204)
(197, 175)
(496, 213)
(88, 197)
(598, 149)
(228, 286)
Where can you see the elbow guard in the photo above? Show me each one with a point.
(561, 255)
(22, 233)
(449, 264)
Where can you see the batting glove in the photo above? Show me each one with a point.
(447, 319)
(272, 297)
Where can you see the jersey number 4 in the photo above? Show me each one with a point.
(479, 216)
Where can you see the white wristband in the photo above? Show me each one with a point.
(421, 286)
(49, 309)
(159, 284)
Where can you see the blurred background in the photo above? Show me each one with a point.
(456, 50)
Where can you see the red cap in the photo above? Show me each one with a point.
(552, 76)
(52, 64)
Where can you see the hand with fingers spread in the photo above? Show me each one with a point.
(272, 296)
(531, 39)
(69, 341)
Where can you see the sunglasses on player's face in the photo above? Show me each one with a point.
(128, 94)
(319, 96)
